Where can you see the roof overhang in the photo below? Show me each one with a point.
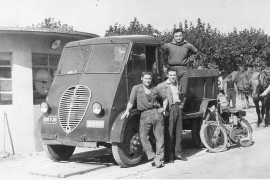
(47, 32)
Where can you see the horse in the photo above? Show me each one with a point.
(258, 84)
(242, 79)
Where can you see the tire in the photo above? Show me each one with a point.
(246, 136)
(195, 131)
(209, 139)
(58, 152)
(129, 152)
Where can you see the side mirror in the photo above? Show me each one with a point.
(141, 56)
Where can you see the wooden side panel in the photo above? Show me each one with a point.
(201, 84)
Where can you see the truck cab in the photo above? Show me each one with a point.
(90, 91)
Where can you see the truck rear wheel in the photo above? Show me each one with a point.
(129, 152)
(58, 152)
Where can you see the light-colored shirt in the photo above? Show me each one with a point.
(175, 92)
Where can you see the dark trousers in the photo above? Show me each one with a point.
(173, 133)
(152, 119)
(182, 77)
(231, 95)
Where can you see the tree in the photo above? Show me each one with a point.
(50, 23)
(215, 49)
(135, 27)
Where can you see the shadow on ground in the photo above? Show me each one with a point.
(104, 156)
(99, 156)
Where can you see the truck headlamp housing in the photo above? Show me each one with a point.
(45, 108)
(97, 108)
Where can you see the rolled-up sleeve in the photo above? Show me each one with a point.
(161, 94)
(133, 95)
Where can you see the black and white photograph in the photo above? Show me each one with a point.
(134, 89)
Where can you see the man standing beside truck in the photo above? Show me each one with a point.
(174, 124)
(146, 97)
(180, 54)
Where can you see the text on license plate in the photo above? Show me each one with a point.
(50, 119)
(95, 124)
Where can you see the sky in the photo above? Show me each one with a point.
(95, 16)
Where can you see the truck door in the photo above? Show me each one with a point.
(142, 58)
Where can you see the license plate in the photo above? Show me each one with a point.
(50, 119)
(95, 124)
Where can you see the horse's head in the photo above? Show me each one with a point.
(256, 85)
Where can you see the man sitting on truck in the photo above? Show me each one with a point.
(146, 97)
(173, 125)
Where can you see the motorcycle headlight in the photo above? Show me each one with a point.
(97, 108)
(44, 108)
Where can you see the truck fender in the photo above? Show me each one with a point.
(119, 125)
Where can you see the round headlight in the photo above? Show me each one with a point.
(44, 107)
(97, 108)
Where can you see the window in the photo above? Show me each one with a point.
(136, 63)
(142, 58)
(99, 58)
(106, 58)
(44, 67)
(74, 59)
(5, 78)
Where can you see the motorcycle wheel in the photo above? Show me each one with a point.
(214, 137)
(246, 136)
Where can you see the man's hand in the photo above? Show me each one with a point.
(124, 115)
(161, 110)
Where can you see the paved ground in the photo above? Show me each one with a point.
(236, 162)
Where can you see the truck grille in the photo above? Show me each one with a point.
(73, 105)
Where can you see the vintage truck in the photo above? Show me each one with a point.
(91, 89)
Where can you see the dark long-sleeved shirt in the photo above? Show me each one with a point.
(179, 54)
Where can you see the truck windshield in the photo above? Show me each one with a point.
(99, 58)
(106, 58)
(74, 59)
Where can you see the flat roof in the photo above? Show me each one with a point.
(147, 39)
(45, 31)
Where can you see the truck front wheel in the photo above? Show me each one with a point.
(129, 152)
(58, 152)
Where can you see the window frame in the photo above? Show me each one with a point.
(7, 79)
(48, 68)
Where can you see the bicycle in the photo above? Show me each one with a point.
(229, 127)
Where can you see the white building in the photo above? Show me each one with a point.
(28, 60)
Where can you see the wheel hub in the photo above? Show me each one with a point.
(135, 144)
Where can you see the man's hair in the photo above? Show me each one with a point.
(146, 73)
(177, 30)
(171, 69)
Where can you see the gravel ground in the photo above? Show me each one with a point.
(201, 164)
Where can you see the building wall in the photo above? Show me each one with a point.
(22, 115)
